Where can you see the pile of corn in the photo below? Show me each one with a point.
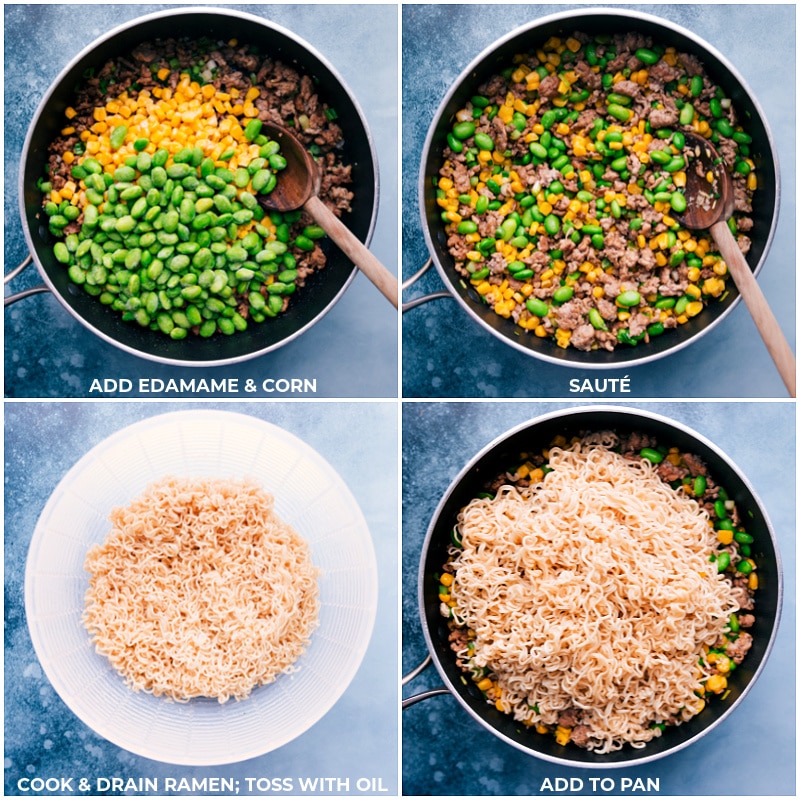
(188, 117)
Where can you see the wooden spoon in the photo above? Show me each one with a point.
(298, 187)
(709, 206)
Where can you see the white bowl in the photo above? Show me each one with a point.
(309, 495)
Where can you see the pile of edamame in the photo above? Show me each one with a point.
(180, 244)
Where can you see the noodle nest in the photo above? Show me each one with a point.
(591, 591)
(201, 590)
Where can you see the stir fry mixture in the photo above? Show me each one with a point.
(561, 181)
(732, 557)
(153, 186)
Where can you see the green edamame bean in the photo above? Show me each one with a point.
(538, 150)
(699, 486)
(277, 162)
(678, 202)
(463, 130)
(596, 320)
(686, 114)
(177, 170)
(552, 224)
(208, 328)
(744, 567)
(117, 137)
(629, 299)
(61, 252)
(260, 180)
(723, 561)
(647, 56)
(484, 141)
(252, 129)
(563, 294)
(537, 307)
(124, 174)
(652, 455)
(304, 243)
(743, 538)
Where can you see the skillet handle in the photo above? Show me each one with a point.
(418, 301)
(417, 698)
(12, 298)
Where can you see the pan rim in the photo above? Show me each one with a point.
(244, 17)
(576, 413)
(577, 14)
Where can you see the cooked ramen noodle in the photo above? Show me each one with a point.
(590, 597)
(201, 590)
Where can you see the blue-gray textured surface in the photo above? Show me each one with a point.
(446, 354)
(44, 739)
(445, 752)
(352, 350)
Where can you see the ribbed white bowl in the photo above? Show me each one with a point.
(309, 495)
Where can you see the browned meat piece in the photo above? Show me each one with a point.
(580, 735)
(737, 650)
(583, 337)
(587, 75)
(746, 620)
(742, 596)
(695, 464)
(628, 88)
(570, 717)
(662, 72)
(662, 118)
(669, 472)
(548, 88)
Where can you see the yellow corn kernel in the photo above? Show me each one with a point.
(724, 537)
(446, 579)
(506, 113)
(483, 288)
(541, 333)
(542, 728)
(693, 274)
(562, 337)
(563, 735)
(694, 308)
(661, 259)
(716, 683)
(694, 290)
(752, 581)
(474, 255)
(485, 684)
(701, 704)
(679, 179)
(752, 181)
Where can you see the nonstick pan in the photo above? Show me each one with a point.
(495, 459)
(321, 292)
(495, 59)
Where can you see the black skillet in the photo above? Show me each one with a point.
(319, 294)
(495, 459)
(494, 60)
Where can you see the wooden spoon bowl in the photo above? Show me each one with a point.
(298, 187)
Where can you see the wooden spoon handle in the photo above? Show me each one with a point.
(754, 299)
(355, 250)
